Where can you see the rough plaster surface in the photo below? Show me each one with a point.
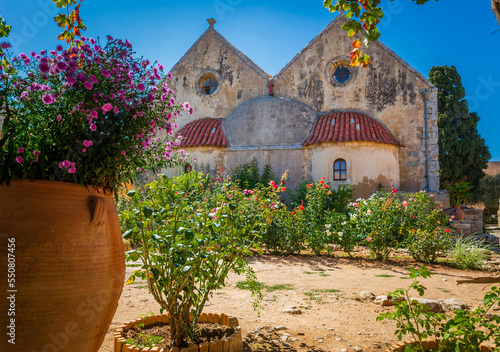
(269, 121)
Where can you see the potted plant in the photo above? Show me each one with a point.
(459, 194)
(193, 233)
(77, 122)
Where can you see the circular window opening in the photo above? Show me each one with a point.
(342, 74)
(209, 86)
(339, 72)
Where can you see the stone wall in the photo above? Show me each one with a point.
(475, 216)
(388, 91)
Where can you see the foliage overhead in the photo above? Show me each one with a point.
(463, 154)
(363, 16)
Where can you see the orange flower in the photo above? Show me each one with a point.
(321, 181)
(301, 207)
(283, 189)
(292, 213)
(325, 186)
(322, 177)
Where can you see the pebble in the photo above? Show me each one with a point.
(280, 327)
(286, 344)
(366, 295)
(292, 310)
(338, 339)
(357, 349)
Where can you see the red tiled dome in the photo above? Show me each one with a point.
(204, 132)
(349, 127)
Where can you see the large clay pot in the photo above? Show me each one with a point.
(68, 263)
(459, 213)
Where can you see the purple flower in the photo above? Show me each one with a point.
(93, 127)
(71, 80)
(23, 56)
(24, 94)
(48, 99)
(141, 87)
(97, 48)
(19, 159)
(80, 77)
(44, 68)
(20, 150)
(116, 110)
(92, 41)
(66, 163)
(191, 111)
(93, 79)
(88, 85)
(61, 65)
(59, 48)
(36, 153)
(5, 45)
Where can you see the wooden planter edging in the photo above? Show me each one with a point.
(233, 343)
(427, 344)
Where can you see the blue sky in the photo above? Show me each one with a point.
(446, 32)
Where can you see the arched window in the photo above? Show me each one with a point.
(340, 170)
(187, 168)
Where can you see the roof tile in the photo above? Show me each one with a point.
(204, 132)
(342, 127)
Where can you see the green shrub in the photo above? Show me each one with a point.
(463, 332)
(247, 175)
(425, 245)
(193, 234)
(468, 253)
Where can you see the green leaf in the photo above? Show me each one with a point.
(156, 273)
(134, 255)
(128, 234)
(131, 193)
(147, 212)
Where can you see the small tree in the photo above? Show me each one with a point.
(462, 151)
(193, 234)
(488, 192)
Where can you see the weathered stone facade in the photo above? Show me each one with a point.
(274, 128)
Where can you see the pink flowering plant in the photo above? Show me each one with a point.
(88, 114)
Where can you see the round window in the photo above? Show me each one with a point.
(207, 84)
(342, 74)
(339, 71)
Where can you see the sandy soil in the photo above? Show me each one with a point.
(331, 320)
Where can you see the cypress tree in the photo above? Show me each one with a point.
(462, 151)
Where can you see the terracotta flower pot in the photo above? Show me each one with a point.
(459, 213)
(67, 263)
(233, 343)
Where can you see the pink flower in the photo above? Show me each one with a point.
(87, 143)
(368, 239)
(116, 110)
(394, 191)
(93, 114)
(107, 107)
(84, 150)
(66, 163)
(123, 152)
(405, 203)
(355, 204)
(139, 169)
(19, 159)
(93, 127)
(36, 153)
(48, 99)
(72, 170)
(439, 222)
(59, 117)
(20, 150)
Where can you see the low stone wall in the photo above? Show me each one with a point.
(475, 216)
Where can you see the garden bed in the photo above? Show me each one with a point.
(326, 290)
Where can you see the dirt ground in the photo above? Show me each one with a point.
(324, 288)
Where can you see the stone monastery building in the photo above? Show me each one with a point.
(317, 117)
